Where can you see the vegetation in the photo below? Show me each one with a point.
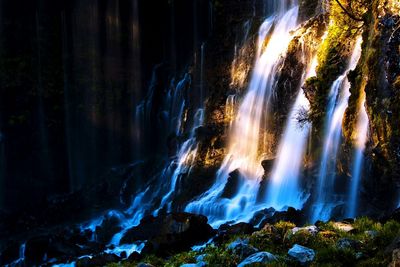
(368, 247)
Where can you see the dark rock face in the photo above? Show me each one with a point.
(236, 24)
(376, 74)
(232, 185)
(291, 215)
(260, 217)
(226, 231)
(109, 226)
(171, 233)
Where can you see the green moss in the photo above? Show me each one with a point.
(218, 256)
(282, 227)
(332, 256)
(363, 224)
(182, 258)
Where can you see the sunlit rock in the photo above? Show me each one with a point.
(345, 227)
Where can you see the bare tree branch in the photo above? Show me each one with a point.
(352, 16)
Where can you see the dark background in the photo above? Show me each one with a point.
(71, 75)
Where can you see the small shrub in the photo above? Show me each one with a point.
(182, 258)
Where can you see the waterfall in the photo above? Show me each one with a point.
(326, 175)
(362, 134)
(283, 189)
(244, 135)
(325, 200)
(230, 109)
(186, 156)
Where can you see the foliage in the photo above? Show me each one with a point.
(218, 256)
(278, 239)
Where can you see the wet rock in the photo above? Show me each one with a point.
(267, 165)
(347, 243)
(242, 248)
(260, 257)
(169, 234)
(239, 228)
(232, 185)
(342, 226)
(225, 231)
(301, 254)
(291, 215)
(260, 217)
(107, 229)
(98, 260)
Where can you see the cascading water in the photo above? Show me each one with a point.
(230, 108)
(143, 203)
(283, 189)
(323, 207)
(185, 160)
(245, 142)
(362, 134)
(325, 200)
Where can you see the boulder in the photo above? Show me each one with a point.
(169, 234)
(259, 257)
(312, 229)
(347, 243)
(242, 248)
(301, 254)
(342, 226)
